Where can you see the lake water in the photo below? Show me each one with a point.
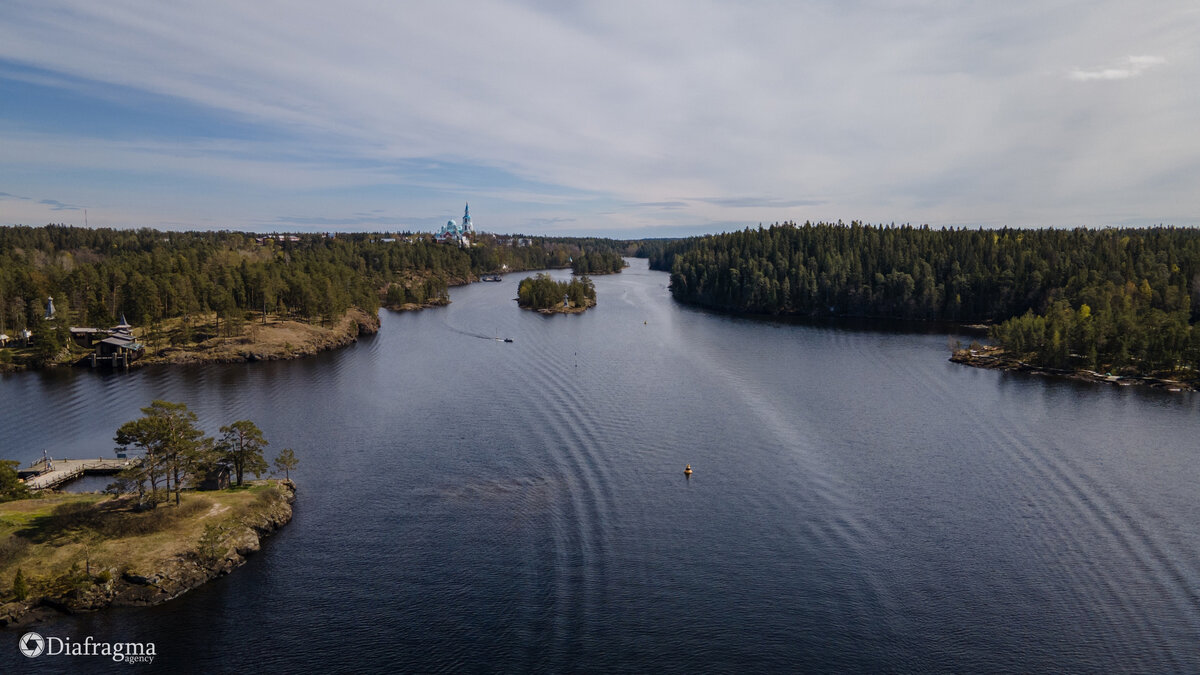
(858, 504)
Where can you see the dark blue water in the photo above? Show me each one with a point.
(858, 503)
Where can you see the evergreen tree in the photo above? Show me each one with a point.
(20, 587)
(173, 449)
(241, 448)
(286, 461)
(11, 487)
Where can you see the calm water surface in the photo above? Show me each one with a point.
(858, 503)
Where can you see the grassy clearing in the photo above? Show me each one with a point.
(57, 535)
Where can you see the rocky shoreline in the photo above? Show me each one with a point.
(279, 340)
(995, 358)
(171, 578)
(414, 306)
(564, 310)
(257, 346)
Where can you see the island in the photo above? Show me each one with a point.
(547, 296)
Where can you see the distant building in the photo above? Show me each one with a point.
(86, 337)
(122, 328)
(271, 238)
(49, 308)
(453, 233)
(216, 479)
(118, 349)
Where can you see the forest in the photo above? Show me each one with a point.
(1100, 299)
(598, 261)
(97, 275)
(543, 292)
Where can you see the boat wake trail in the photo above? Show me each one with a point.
(470, 334)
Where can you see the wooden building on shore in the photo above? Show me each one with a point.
(115, 347)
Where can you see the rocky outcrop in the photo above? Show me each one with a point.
(995, 358)
(171, 577)
(281, 340)
(183, 573)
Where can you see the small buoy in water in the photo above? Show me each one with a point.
(645, 323)
(687, 470)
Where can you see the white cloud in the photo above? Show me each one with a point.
(1130, 67)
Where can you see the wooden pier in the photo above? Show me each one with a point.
(43, 475)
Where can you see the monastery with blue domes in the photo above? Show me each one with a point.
(453, 233)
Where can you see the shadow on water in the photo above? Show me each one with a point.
(856, 324)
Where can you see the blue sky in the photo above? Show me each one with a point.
(623, 119)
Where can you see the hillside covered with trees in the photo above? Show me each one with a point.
(97, 275)
(1081, 298)
(598, 261)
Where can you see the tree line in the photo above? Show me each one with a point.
(543, 292)
(173, 453)
(1110, 298)
(97, 275)
(598, 261)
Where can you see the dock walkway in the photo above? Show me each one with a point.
(40, 476)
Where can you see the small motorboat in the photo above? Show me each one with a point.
(687, 470)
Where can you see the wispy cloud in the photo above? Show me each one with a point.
(56, 205)
(594, 117)
(1130, 67)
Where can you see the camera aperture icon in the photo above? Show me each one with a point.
(32, 645)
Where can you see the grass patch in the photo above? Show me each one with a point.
(48, 537)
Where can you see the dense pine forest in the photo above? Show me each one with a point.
(97, 275)
(1081, 298)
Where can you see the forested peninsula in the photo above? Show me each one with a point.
(181, 511)
(1122, 300)
(230, 296)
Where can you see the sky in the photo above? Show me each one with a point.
(610, 118)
